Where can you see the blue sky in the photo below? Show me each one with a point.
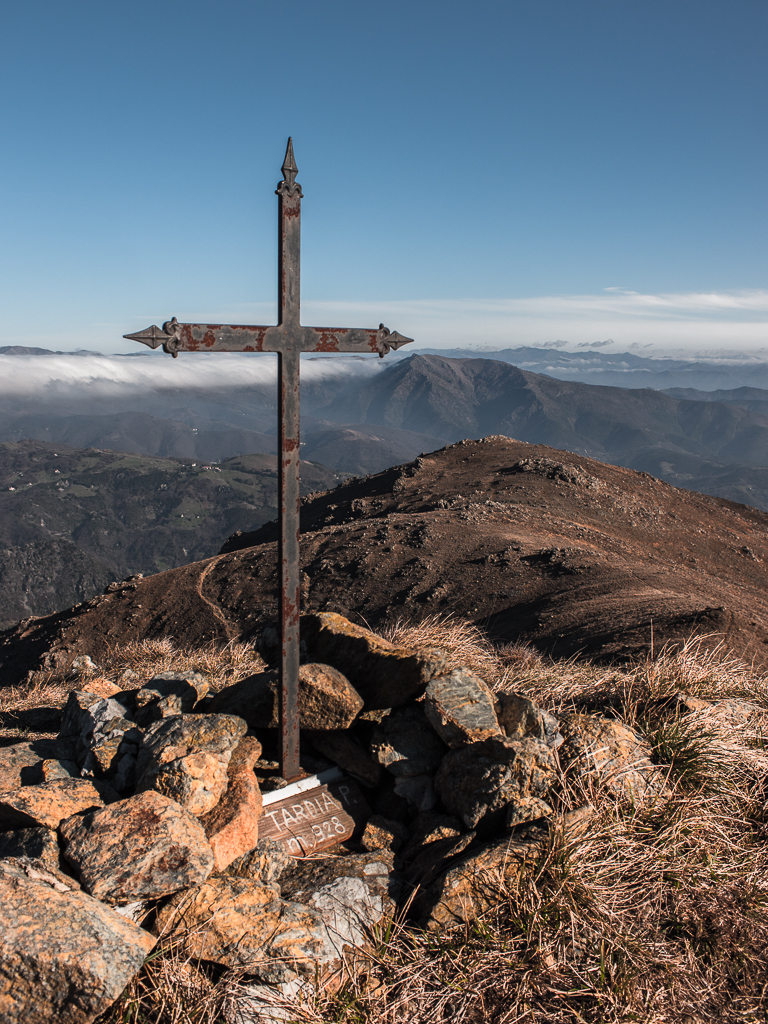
(496, 174)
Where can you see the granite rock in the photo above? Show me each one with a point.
(180, 735)
(185, 757)
(69, 742)
(197, 782)
(352, 892)
(102, 687)
(265, 863)
(327, 700)
(520, 717)
(405, 743)
(52, 769)
(20, 764)
(38, 847)
(497, 781)
(350, 908)
(471, 883)
(232, 825)
(241, 924)
(266, 1004)
(138, 848)
(385, 676)
(169, 693)
(383, 834)
(90, 721)
(50, 803)
(612, 754)
(64, 956)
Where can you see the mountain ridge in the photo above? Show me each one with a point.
(531, 543)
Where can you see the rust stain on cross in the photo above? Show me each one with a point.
(288, 339)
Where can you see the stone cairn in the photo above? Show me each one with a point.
(154, 814)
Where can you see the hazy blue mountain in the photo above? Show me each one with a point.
(754, 399)
(623, 369)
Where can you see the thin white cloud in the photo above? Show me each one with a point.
(685, 322)
(679, 323)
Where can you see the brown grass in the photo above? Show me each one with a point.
(141, 659)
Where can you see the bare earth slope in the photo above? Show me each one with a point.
(530, 542)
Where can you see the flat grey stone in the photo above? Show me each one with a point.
(460, 708)
(520, 717)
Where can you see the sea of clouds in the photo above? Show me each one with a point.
(50, 379)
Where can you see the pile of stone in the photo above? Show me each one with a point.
(159, 812)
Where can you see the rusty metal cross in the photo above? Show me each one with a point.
(288, 339)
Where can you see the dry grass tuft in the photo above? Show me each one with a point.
(464, 643)
(171, 989)
(223, 664)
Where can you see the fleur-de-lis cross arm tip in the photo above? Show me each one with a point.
(390, 339)
(155, 336)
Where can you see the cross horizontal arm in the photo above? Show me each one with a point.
(176, 337)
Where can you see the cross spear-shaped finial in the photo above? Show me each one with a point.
(289, 339)
(290, 170)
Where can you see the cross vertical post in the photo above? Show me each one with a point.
(288, 383)
(288, 339)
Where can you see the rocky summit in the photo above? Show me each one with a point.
(531, 543)
(162, 816)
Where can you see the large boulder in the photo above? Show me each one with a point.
(497, 782)
(385, 675)
(471, 884)
(64, 956)
(185, 758)
(242, 924)
(327, 699)
(138, 848)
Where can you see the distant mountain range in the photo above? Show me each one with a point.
(61, 541)
(713, 441)
(624, 369)
(718, 448)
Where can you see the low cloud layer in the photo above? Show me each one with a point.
(50, 379)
